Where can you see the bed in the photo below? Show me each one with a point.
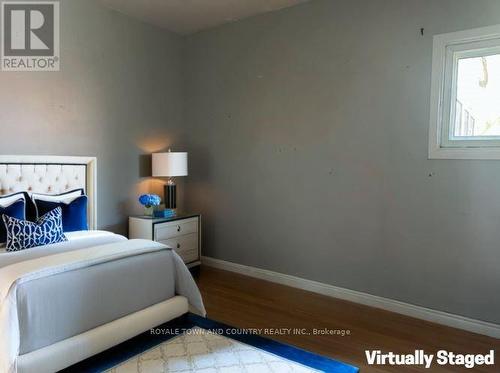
(64, 302)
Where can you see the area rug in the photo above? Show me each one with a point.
(193, 344)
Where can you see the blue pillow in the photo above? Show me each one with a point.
(24, 234)
(30, 210)
(74, 214)
(60, 196)
(12, 197)
(15, 210)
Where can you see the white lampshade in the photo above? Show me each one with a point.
(170, 164)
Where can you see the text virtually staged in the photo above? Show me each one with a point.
(419, 357)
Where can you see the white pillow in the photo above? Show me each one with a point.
(9, 200)
(64, 198)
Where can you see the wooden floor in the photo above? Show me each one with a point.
(246, 302)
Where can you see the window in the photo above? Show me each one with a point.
(465, 97)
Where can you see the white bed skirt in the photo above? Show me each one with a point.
(80, 347)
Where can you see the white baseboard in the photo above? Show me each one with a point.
(439, 317)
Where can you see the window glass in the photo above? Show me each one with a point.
(477, 104)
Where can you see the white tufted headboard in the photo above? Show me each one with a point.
(50, 175)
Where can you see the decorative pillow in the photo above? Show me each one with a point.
(74, 213)
(9, 199)
(23, 234)
(15, 210)
(63, 197)
(30, 212)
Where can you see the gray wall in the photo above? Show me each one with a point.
(307, 132)
(118, 96)
(308, 138)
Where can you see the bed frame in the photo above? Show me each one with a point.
(82, 346)
(53, 175)
(50, 175)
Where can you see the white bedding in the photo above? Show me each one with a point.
(13, 275)
(72, 237)
(78, 235)
(84, 249)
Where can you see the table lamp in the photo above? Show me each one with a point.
(170, 165)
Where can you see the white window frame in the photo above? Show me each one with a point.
(447, 50)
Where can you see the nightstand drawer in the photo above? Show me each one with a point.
(172, 229)
(189, 255)
(186, 246)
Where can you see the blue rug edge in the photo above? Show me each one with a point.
(145, 341)
(281, 349)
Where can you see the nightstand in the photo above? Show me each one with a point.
(181, 232)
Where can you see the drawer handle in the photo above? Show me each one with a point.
(178, 228)
(178, 245)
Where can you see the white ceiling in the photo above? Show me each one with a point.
(189, 16)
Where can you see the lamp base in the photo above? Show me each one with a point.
(170, 196)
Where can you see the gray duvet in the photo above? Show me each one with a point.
(53, 308)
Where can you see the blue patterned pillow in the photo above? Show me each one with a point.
(23, 234)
